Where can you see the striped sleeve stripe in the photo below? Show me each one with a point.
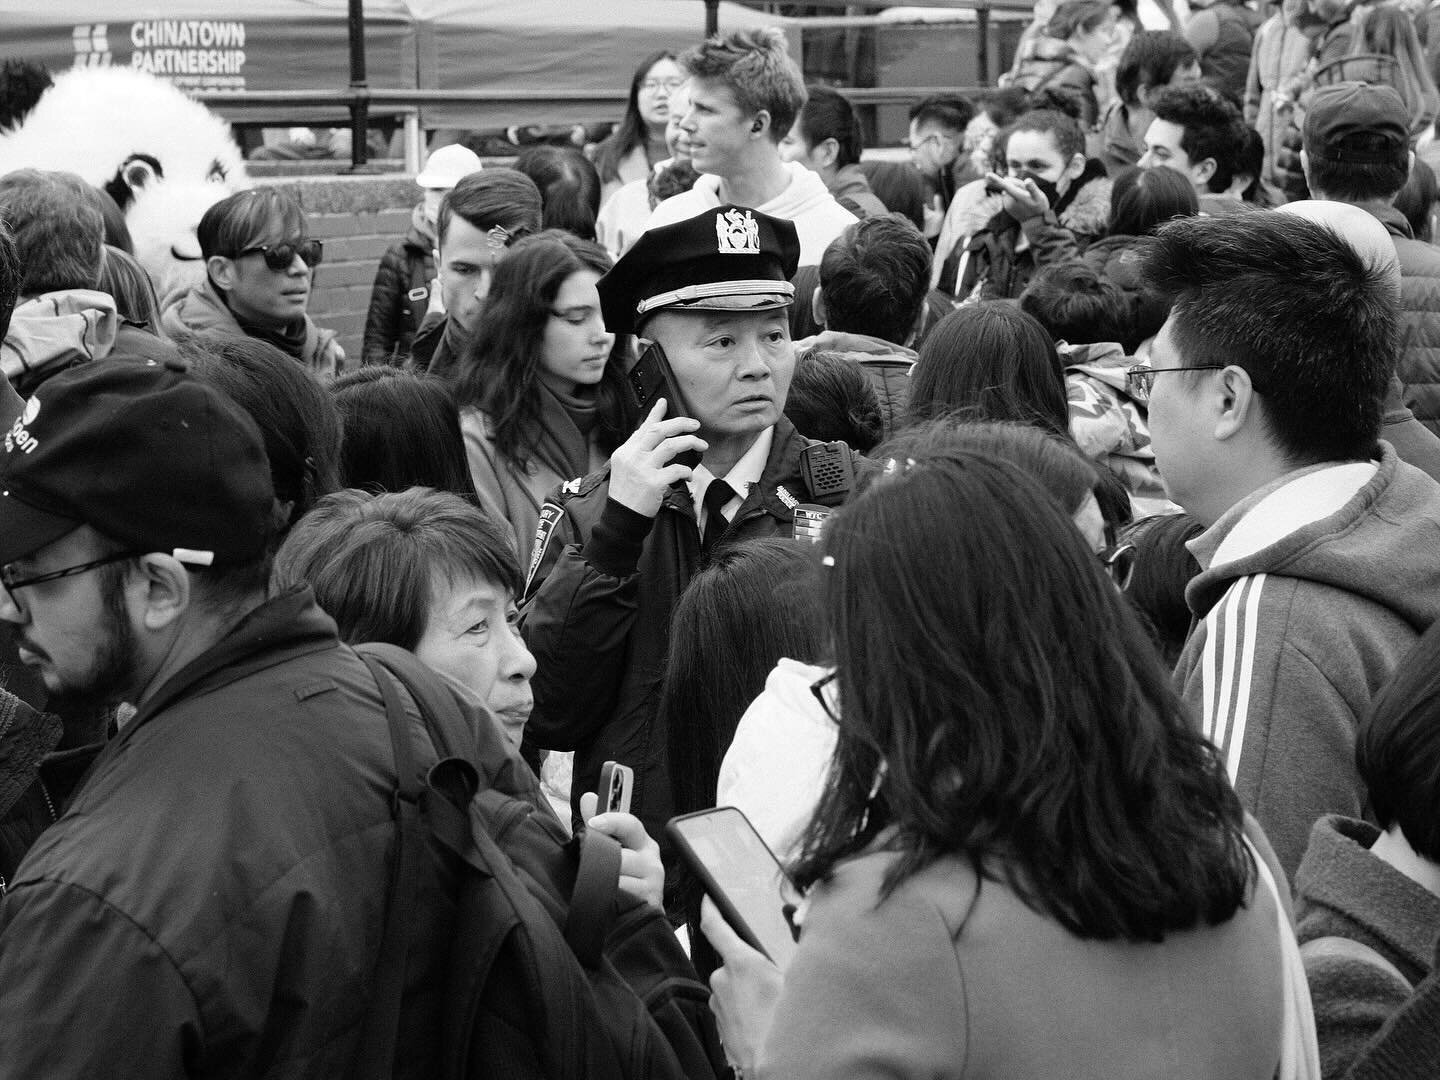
(1227, 667)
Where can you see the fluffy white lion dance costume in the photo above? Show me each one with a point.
(162, 156)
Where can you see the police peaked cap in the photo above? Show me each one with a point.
(731, 258)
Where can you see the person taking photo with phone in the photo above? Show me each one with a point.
(709, 299)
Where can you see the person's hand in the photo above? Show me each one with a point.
(642, 874)
(1022, 199)
(934, 217)
(640, 469)
(743, 993)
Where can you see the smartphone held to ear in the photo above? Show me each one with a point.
(741, 875)
(652, 379)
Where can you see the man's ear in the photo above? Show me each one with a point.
(1237, 405)
(1202, 171)
(221, 269)
(1076, 166)
(829, 152)
(162, 592)
(760, 123)
(817, 307)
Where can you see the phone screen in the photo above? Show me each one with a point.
(743, 877)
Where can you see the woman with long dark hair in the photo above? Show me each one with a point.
(540, 395)
(633, 149)
(1027, 862)
(990, 361)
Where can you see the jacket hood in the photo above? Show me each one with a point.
(1119, 258)
(1347, 525)
(861, 346)
(1103, 360)
(56, 329)
(1088, 209)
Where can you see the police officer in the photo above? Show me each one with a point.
(615, 550)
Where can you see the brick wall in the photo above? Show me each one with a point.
(357, 217)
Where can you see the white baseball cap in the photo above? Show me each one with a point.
(446, 166)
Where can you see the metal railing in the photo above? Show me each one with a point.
(359, 100)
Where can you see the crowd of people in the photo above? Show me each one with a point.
(1038, 541)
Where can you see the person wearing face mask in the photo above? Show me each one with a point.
(1049, 204)
(259, 264)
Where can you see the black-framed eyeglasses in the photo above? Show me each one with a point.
(824, 690)
(1141, 378)
(1119, 562)
(280, 256)
(12, 580)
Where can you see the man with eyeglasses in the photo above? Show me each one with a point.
(259, 264)
(745, 93)
(937, 136)
(212, 899)
(62, 318)
(1320, 562)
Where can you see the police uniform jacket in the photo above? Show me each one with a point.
(603, 583)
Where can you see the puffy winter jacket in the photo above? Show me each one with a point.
(400, 296)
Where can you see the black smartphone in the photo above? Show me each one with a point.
(741, 875)
(616, 782)
(652, 379)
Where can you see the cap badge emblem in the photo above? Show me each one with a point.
(737, 233)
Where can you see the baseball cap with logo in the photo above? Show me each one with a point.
(144, 453)
(727, 259)
(1357, 124)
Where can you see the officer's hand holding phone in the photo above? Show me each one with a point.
(643, 467)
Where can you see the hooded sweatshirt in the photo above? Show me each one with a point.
(1311, 591)
(1109, 425)
(775, 769)
(806, 201)
(884, 363)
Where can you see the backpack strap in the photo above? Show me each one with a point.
(1335, 947)
(593, 901)
(375, 1052)
(443, 720)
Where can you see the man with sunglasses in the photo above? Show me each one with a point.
(1320, 561)
(211, 900)
(259, 264)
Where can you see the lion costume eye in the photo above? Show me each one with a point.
(218, 173)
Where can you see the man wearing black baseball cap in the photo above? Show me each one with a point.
(614, 550)
(210, 900)
(1356, 150)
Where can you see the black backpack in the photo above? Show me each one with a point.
(551, 971)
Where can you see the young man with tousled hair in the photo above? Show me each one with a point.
(1265, 390)
(1201, 136)
(745, 93)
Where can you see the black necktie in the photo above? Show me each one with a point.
(716, 496)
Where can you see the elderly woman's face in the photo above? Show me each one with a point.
(472, 637)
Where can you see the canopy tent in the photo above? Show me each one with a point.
(544, 49)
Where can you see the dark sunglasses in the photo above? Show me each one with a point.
(279, 256)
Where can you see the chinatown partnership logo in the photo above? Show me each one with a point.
(189, 52)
